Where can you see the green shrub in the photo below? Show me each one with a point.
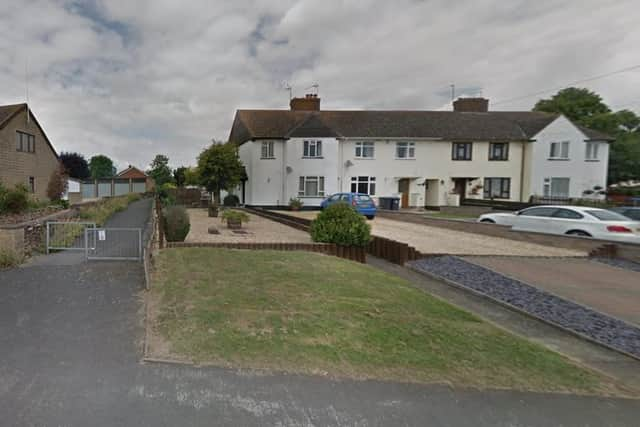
(176, 223)
(9, 258)
(231, 200)
(15, 200)
(342, 225)
(295, 204)
(230, 214)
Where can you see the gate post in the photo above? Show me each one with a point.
(47, 238)
(86, 242)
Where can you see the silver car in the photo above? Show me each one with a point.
(570, 220)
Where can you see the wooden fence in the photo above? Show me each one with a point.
(351, 253)
(381, 247)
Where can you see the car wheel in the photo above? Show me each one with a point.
(370, 216)
(578, 233)
(488, 221)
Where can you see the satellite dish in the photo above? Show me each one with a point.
(348, 163)
(289, 169)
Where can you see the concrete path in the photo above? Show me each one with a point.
(608, 289)
(70, 345)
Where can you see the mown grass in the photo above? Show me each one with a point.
(103, 210)
(308, 313)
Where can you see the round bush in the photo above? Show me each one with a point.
(15, 200)
(176, 223)
(342, 225)
(231, 200)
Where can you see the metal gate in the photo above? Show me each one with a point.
(66, 236)
(113, 243)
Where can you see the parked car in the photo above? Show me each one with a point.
(360, 201)
(629, 211)
(570, 220)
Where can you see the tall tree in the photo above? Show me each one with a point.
(160, 170)
(75, 164)
(179, 176)
(587, 108)
(58, 184)
(101, 166)
(219, 168)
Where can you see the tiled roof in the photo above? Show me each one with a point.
(7, 111)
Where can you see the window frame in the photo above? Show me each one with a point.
(564, 147)
(32, 184)
(547, 186)
(360, 148)
(409, 149)
(592, 151)
(504, 153)
(25, 142)
(317, 149)
(488, 187)
(270, 150)
(305, 179)
(468, 153)
(368, 181)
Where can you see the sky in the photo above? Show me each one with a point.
(132, 79)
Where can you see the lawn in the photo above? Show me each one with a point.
(308, 313)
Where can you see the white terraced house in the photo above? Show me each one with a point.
(427, 158)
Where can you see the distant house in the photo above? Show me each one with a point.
(26, 154)
(427, 158)
(130, 180)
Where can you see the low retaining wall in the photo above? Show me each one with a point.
(351, 253)
(29, 236)
(623, 250)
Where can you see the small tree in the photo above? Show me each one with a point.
(160, 170)
(191, 176)
(58, 184)
(219, 168)
(179, 176)
(75, 164)
(101, 166)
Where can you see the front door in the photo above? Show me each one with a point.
(460, 186)
(403, 189)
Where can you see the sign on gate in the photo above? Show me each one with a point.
(113, 243)
(66, 236)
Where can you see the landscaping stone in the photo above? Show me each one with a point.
(620, 263)
(213, 230)
(567, 314)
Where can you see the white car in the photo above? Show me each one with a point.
(571, 220)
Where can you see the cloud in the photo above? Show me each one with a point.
(133, 79)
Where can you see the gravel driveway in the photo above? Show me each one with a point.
(435, 240)
(258, 229)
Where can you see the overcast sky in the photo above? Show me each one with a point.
(131, 79)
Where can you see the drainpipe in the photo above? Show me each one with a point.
(284, 171)
(522, 163)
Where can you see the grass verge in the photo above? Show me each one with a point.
(308, 313)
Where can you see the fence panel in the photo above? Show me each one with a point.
(66, 235)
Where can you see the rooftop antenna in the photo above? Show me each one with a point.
(315, 87)
(288, 87)
(26, 86)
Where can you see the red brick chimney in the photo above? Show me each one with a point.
(310, 102)
(471, 105)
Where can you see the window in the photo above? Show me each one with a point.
(567, 214)
(559, 150)
(461, 151)
(556, 187)
(405, 150)
(497, 188)
(364, 185)
(312, 149)
(592, 150)
(32, 184)
(267, 150)
(537, 212)
(499, 151)
(365, 150)
(605, 215)
(25, 142)
(311, 186)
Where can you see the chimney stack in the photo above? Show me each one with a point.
(310, 102)
(471, 105)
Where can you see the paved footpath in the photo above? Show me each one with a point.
(70, 342)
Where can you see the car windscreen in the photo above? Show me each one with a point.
(603, 215)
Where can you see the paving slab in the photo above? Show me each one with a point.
(606, 288)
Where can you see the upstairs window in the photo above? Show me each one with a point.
(461, 151)
(364, 185)
(559, 150)
(365, 150)
(405, 150)
(499, 151)
(267, 150)
(312, 149)
(25, 142)
(592, 150)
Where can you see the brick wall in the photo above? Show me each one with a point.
(16, 167)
